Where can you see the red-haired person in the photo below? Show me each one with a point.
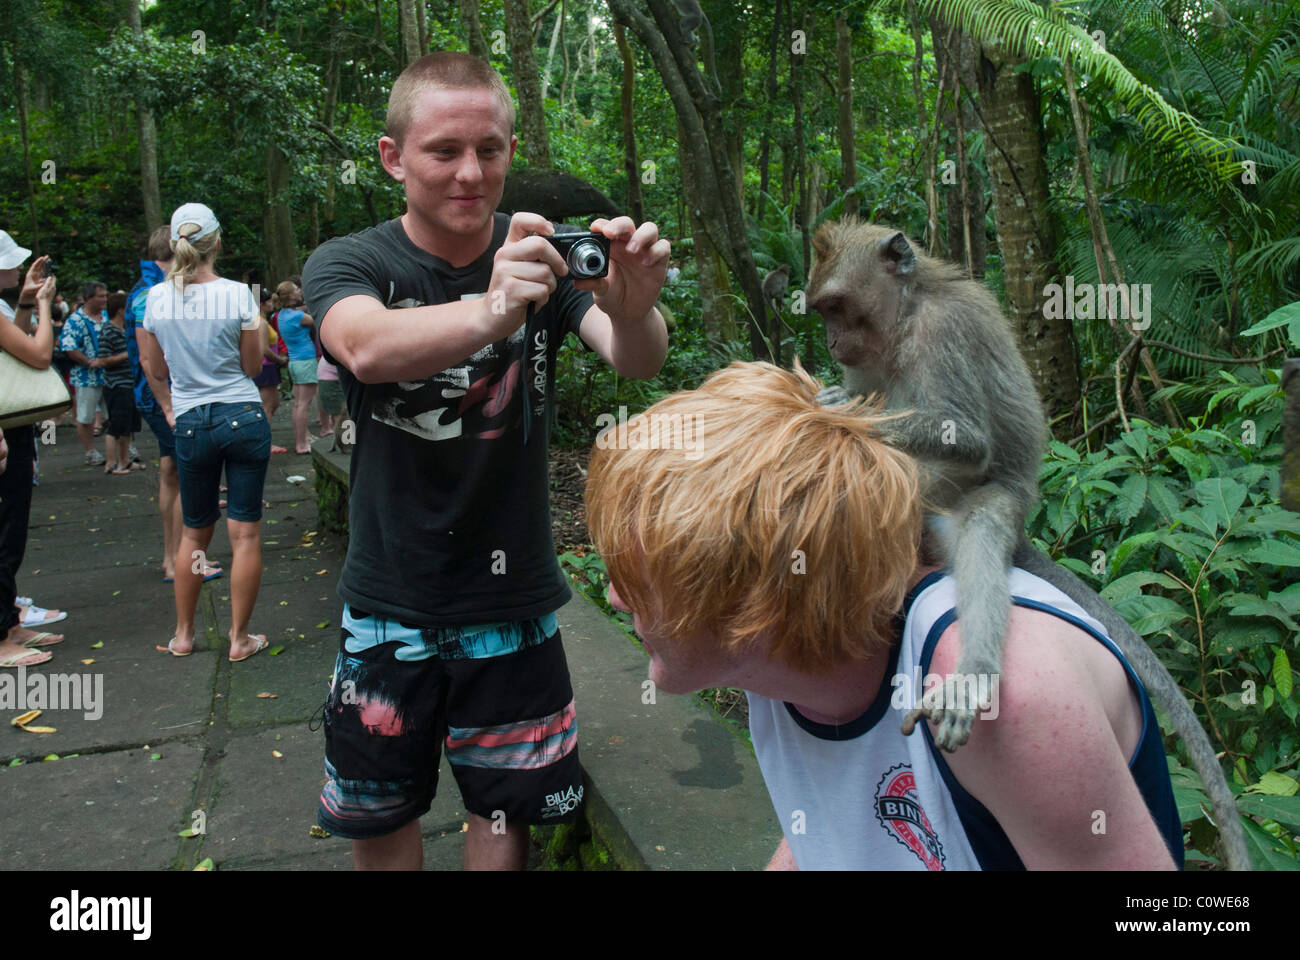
(778, 553)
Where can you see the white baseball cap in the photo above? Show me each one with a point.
(194, 213)
(11, 255)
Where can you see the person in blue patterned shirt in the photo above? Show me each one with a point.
(80, 344)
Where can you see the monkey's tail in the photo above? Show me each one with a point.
(981, 540)
(1161, 687)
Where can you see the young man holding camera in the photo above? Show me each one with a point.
(451, 582)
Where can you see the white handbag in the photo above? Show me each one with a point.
(28, 395)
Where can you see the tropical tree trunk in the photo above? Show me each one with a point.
(148, 137)
(716, 304)
(844, 89)
(556, 31)
(1026, 237)
(473, 29)
(697, 107)
(532, 113)
(730, 37)
(922, 129)
(764, 150)
(281, 250)
(957, 59)
(800, 147)
(422, 22)
(20, 94)
(409, 29)
(635, 202)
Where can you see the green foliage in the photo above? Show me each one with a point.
(1184, 530)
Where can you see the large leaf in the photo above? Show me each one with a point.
(1264, 848)
(1285, 810)
(1132, 497)
(1288, 316)
(1249, 605)
(1277, 552)
(1282, 674)
(1150, 615)
(1224, 494)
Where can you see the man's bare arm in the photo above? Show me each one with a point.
(635, 348)
(384, 346)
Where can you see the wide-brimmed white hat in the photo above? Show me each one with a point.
(11, 255)
(194, 213)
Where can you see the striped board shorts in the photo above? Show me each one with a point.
(496, 696)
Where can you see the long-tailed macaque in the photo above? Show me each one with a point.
(935, 345)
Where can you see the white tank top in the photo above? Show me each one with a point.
(861, 795)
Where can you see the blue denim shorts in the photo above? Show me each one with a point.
(212, 436)
(157, 421)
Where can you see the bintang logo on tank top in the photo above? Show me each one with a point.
(899, 812)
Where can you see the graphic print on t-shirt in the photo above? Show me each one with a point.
(467, 400)
(900, 813)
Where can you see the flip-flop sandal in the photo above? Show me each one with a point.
(26, 659)
(278, 449)
(136, 465)
(120, 473)
(35, 616)
(262, 644)
(42, 640)
(172, 650)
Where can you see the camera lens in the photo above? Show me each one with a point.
(586, 259)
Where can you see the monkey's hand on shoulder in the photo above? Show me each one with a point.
(833, 396)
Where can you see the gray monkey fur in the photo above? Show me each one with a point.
(692, 17)
(775, 285)
(934, 343)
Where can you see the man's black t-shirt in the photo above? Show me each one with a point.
(449, 516)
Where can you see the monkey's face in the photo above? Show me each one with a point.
(856, 314)
(856, 286)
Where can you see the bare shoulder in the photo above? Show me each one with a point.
(1050, 760)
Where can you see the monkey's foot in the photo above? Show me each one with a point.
(833, 396)
(950, 728)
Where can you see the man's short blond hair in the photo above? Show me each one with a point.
(442, 70)
(788, 522)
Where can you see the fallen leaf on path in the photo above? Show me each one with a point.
(318, 832)
(277, 754)
(275, 651)
(321, 573)
(322, 625)
(205, 866)
(23, 719)
(40, 730)
(188, 833)
(284, 603)
(267, 696)
(97, 644)
(49, 757)
(88, 661)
